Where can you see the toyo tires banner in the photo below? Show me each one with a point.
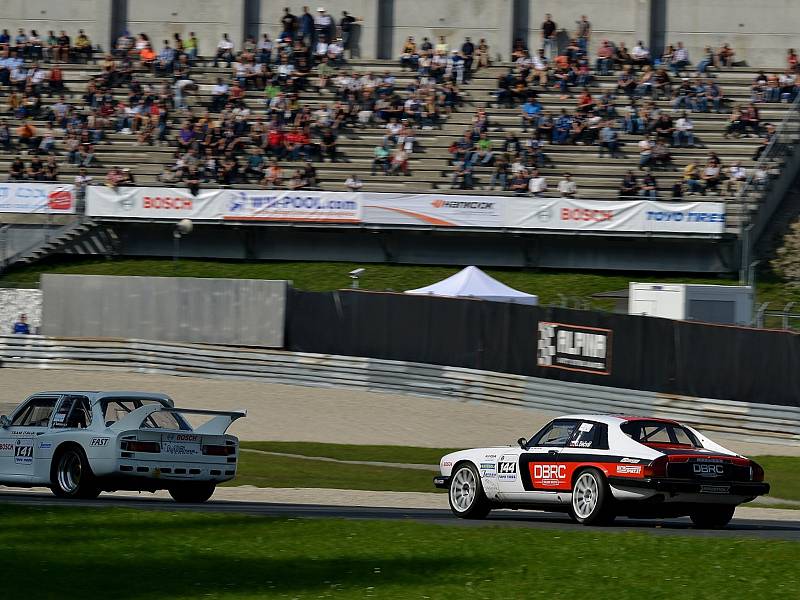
(438, 210)
(43, 198)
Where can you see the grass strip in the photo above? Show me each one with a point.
(412, 455)
(83, 553)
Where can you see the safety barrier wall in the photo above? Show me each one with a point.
(776, 424)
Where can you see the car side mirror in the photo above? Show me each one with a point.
(523, 443)
(5, 422)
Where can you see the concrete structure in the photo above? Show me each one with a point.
(14, 302)
(759, 32)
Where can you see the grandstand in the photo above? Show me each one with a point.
(430, 162)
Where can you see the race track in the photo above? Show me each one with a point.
(759, 528)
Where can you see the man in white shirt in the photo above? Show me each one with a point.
(640, 54)
(680, 59)
(537, 185)
(684, 130)
(224, 51)
(335, 51)
(737, 175)
(566, 187)
(645, 151)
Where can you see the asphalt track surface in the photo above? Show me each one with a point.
(738, 528)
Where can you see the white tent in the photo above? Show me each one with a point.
(471, 282)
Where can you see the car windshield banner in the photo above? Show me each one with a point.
(44, 198)
(432, 210)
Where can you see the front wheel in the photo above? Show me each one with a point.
(71, 476)
(712, 516)
(192, 493)
(592, 503)
(467, 499)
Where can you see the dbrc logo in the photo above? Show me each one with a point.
(549, 472)
(708, 470)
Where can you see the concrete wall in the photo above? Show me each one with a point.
(759, 32)
(14, 302)
(617, 20)
(244, 312)
(93, 16)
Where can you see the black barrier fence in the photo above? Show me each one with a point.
(633, 352)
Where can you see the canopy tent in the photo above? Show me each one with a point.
(471, 282)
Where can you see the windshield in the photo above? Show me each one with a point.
(654, 433)
(117, 408)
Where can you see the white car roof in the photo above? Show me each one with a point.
(96, 396)
(615, 419)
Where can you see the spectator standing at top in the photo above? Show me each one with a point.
(468, 54)
(549, 41)
(346, 24)
(583, 33)
(323, 24)
(305, 26)
(289, 23)
(21, 327)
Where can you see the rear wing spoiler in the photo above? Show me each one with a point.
(216, 426)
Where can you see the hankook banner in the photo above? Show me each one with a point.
(439, 210)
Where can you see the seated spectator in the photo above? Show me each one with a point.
(328, 145)
(192, 180)
(737, 177)
(679, 60)
(255, 163)
(626, 83)
(708, 60)
(224, 51)
(353, 183)
(483, 154)
(83, 47)
(692, 179)
(21, 327)
(734, 126)
(114, 177)
(750, 120)
(297, 181)
(147, 58)
(649, 187)
(27, 136)
(273, 178)
(629, 187)
(463, 173)
(6, 142)
(500, 172)
(399, 161)
(62, 51)
(567, 187)
(609, 140)
(530, 113)
(380, 159)
(640, 55)
(645, 152)
(661, 156)
(684, 132)
(711, 176)
(725, 56)
(768, 138)
(537, 184)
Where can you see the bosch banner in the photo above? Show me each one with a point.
(439, 210)
(37, 198)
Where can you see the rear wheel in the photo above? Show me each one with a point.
(192, 493)
(592, 503)
(467, 499)
(71, 476)
(712, 516)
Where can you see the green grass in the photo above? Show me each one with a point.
(390, 454)
(262, 470)
(783, 474)
(64, 553)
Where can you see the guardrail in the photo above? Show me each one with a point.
(756, 422)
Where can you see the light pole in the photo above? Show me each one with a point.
(182, 228)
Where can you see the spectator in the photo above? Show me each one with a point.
(605, 58)
(629, 187)
(114, 177)
(192, 180)
(649, 187)
(224, 51)
(684, 131)
(463, 172)
(711, 176)
(725, 56)
(297, 182)
(82, 181)
(645, 152)
(537, 184)
(323, 24)
(353, 183)
(768, 138)
(640, 55)
(399, 161)
(583, 33)
(380, 159)
(83, 47)
(21, 327)
(734, 126)
(737, 176)
(482, 55)
(328, 145)
(609, 140)
(692, 179)
(500, 173)
(567, 187)
(273, 178)
(708, 60)
(346, 25)
(549, 41)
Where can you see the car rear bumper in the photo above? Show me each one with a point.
(441, 482)
(683, 486)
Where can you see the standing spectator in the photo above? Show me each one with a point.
(649, 188)
(583, 33)
(567, 187)
(549, 42)
(21, 327)
(346, 24)
(323, 24)
(82, 180)
(304, 25)
(468, 54)
(191, 47)
(353, 183)
(537, 184)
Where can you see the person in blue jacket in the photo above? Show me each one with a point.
(21, 327)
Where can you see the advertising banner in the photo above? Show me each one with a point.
(439, 210)
(44, 198)
(574, 348)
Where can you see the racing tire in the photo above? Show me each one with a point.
(192, 493)
(71, 476)
(466, 496)
(712, 516)
(592, 502)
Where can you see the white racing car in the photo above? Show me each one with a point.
(82, 443)
(596, 467)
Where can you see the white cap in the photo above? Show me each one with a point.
(320, 9)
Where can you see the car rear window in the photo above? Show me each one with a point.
(660, 432)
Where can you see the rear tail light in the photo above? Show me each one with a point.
(756, 472)
(657, 468)
(219, 450)
(137, 446)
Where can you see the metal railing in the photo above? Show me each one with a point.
(755, 422)
(781, 160)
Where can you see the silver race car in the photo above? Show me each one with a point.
(596, 467)
(82, 443)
